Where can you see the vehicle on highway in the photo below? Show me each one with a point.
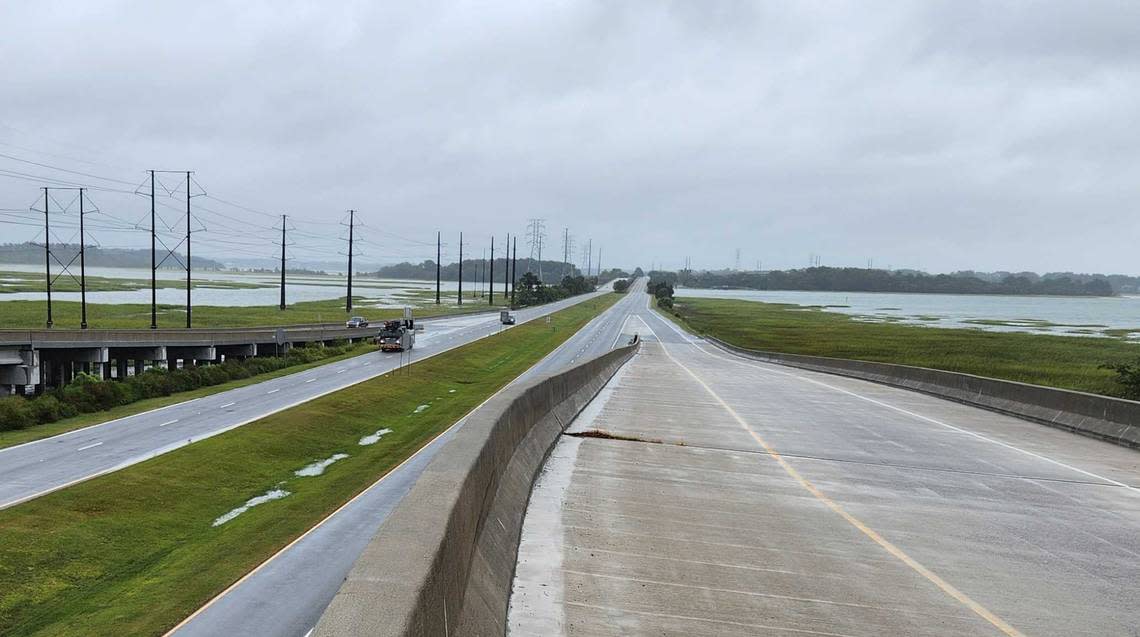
(397, 335)
(356, 321)
(506, 318)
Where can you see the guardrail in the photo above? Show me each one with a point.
(443, 562)
(1113, 419)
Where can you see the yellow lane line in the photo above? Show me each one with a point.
(898, 553)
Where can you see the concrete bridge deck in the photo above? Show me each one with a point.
(738, 498)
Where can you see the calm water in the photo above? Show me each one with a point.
(377, 292)
(1084, 316)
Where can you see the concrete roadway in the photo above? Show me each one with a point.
(286, 595)
(36, 468)
(759, 499)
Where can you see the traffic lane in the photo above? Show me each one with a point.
(288, 593)
(36, 468)
(1047, 546)
(669, 529)
(873, 423)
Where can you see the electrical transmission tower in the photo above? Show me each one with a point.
(565, 251)
(536, 234)
(737, 266)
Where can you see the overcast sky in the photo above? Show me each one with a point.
(939, 135)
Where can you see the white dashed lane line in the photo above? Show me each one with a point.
(92, 446)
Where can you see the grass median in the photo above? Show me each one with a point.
(135, 551)
(1070, 362)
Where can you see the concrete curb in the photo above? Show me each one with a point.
(1112, 419)
(443, 562)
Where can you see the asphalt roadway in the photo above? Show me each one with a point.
(285, 596)
(741, 498)
(30, 470)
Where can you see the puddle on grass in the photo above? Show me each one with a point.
(420, 409)
(268, 496)
(373, 438)
(318, 467)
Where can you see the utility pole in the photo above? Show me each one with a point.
(82, 267)
(491, 285)
(482, 271)
(438, 256)
(514, 269)
(187, 244)
(599, 274)
(589, 258)
(153, 264)
(348, 301)
(47, 256)
(461, 268)
(565, 250)
(537, 230)
(506, 265)
(282, 305)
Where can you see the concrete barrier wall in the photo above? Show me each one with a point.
(443, 562)
(1113, 419)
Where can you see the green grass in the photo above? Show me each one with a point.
(66, 314)
(133, 552)
(20, 436)
(1070, 362)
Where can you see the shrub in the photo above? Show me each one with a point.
(1127, 377)
(46, 409)
(16, 413)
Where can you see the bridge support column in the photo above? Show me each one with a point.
(121, 368)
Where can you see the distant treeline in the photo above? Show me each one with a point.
(869, 280)
(96, 256)
(552, 271)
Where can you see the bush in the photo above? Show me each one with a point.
(46, 409)
(16, 413)
(1128, 377)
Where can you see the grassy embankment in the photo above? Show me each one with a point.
(1070, 362)
(135, 551)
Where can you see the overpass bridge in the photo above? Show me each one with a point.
(36, 359)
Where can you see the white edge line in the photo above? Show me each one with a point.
(768, 368)
(364, 491)
(178, 445)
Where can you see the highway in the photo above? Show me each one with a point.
(285, 596)
(743, 498)
(30, 470)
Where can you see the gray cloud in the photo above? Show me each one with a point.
(937, 135)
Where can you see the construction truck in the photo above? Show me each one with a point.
(397, 335)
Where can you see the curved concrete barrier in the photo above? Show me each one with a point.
(1113, 419)
(443, 562)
